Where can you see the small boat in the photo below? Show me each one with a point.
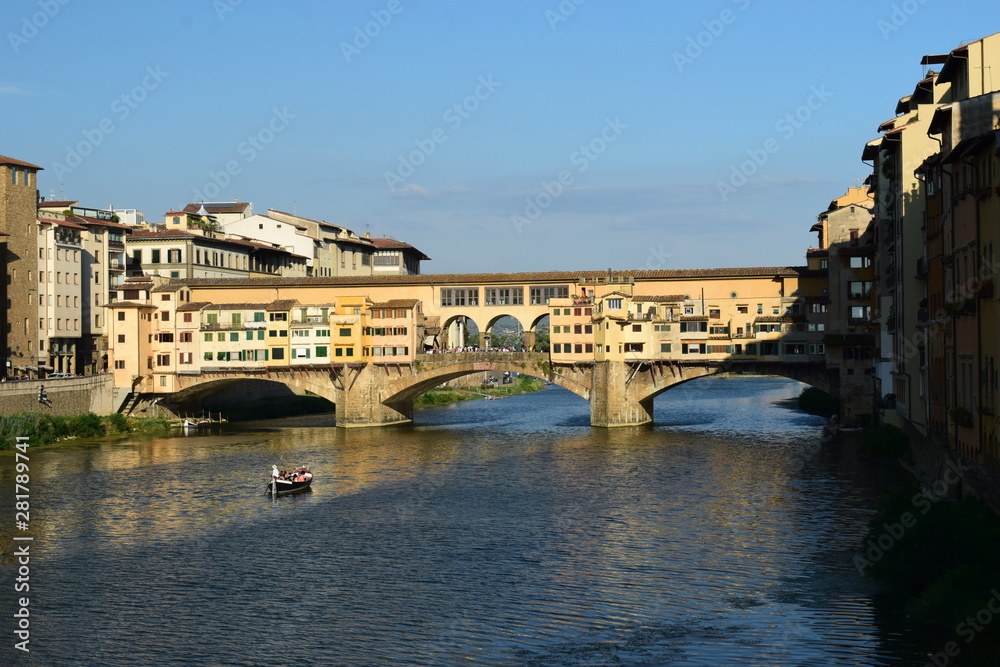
(188, 423)
(297, 481)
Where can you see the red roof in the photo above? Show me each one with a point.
(61, 204)
(218, 207)
(61, 223)
(103, 223)
(510, 278)
(18, 163)
(393, 244)
(144, 234)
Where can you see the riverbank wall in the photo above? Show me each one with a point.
(66, 397)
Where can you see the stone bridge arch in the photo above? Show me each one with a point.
(368, 394)
(319, 381)
(434, 369)
(454, 328)
(493, 321)
(531, 333)
(623, 394)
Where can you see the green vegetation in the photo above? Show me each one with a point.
(45, 429)
(940, 565)
(817, 402)
(444, 395)
(885, 440)
(439, 396)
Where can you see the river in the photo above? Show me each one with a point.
(489, 532)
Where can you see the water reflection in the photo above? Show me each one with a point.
(497, 532)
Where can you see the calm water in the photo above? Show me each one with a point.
(492, 532)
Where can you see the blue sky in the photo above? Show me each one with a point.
(513, 136)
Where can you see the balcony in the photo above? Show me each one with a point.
(983, 289)
(961, 307)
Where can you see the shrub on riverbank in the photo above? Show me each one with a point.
(885, 440)
(940, 567)
(443, 396)
(817, 402)
(45, 429)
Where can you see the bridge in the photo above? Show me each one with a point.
(370, 394)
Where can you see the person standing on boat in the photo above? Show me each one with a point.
(275, 474)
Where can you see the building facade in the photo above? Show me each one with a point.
(18, 198)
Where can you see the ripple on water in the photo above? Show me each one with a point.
(507, 532)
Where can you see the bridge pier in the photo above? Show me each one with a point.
(358, 397)
(613, 399)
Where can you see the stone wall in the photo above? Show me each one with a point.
(71, 396)
(18, 207)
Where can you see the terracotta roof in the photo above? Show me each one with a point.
(104, 223)
(18, 163)
(217, 207)
(130, 304)
(263, 245)
(350, 239)
(238, 306)
(397, 303)
(282, 304)
(144, 234)
(168, 287)
(393, 244)
(507, 278)
(150, 235)
(61, 223)
(138, 279)
(192, 305)
(292, 215)
(60, 204)
(659, 299)
(887, 125)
